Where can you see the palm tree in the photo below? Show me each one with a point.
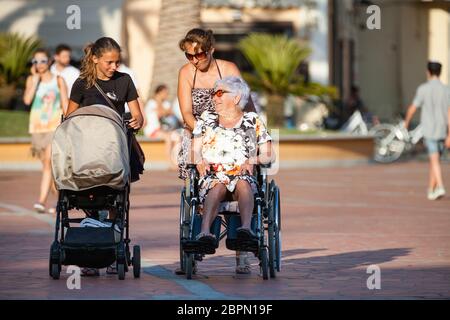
(175, 19)
(15, 53)
(275, 59)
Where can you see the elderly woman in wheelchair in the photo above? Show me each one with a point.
(227, 147)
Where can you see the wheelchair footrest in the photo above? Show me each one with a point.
(195, 246)
(243, 245)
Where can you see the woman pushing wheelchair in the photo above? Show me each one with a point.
(227, 144)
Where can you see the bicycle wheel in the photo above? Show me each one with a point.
(388, 145)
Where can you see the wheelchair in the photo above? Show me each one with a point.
(266, 224)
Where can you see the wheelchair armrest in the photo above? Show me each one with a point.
(190, 166)
(266, 165)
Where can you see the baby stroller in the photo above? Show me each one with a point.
(266, 223)
(92, 174)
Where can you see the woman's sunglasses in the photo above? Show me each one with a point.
(219, 93)
(43, 61)
(198, 56)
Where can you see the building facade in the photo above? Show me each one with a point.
(387, 63)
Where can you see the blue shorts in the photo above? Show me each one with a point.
(435, 146)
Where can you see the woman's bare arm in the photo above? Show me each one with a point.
(71, 107)
(266, 153)
(185, 97)
(30, 88)
(137, 119)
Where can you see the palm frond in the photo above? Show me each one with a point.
(275, 59)
(15, 52)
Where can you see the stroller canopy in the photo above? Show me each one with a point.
(89, 149)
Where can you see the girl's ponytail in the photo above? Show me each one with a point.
(88, 71)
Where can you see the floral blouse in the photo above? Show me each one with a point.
(228, 148)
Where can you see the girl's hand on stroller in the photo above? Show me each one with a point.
(135, 124)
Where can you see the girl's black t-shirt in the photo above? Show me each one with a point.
(119, 89)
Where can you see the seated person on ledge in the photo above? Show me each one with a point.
(227, 144)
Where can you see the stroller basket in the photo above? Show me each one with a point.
(90, 247)
(90, 237)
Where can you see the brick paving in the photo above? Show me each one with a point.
(336, 223)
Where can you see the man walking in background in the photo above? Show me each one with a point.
(62, 66)
(433, 98)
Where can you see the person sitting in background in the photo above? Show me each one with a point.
(162, 121)
(355, 103)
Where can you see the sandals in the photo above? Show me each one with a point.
(245, 234)
(207, 238)
(112, 269)
(90, 272)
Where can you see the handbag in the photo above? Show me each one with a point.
(137, 156)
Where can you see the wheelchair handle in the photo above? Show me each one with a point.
(191, 166)
(266, 165)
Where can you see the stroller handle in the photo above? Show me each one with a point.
(126, 116)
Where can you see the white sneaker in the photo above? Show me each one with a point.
(438, 193)
(39, 208)
(430, 194)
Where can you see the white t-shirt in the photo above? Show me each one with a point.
(69, 74)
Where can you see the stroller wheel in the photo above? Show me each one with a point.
(121, 271)
(55, 271)
(54, 261)
(136, 261)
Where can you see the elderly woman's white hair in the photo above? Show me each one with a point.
(237, 86)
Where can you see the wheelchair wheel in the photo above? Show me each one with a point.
(189, 265)
(271, 242)
(184, 228)
(264, 263)
(136, 261)
(277, 228)
(274, 244)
